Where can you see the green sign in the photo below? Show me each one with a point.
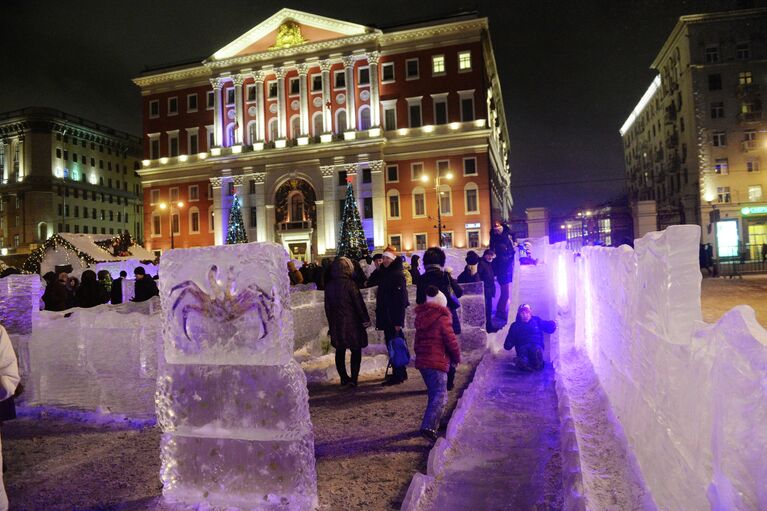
(757, 210)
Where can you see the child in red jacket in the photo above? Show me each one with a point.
(436, 347)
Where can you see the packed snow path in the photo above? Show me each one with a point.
(503, 451)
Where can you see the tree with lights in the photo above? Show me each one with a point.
(352, 242)
(236, 230)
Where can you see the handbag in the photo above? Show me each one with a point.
(399, 355)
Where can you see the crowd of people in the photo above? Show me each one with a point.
(63, 291)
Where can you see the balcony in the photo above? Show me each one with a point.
(295, 226)
(748, 117)
(747, 90)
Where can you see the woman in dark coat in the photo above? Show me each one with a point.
(391, 302)
(414, 271)
(90, 294)
(502, 244)
(347, 319)
(55, 295)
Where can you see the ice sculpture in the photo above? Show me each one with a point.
(231, 400)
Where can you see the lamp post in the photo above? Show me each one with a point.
(169, 207)
(425, 179)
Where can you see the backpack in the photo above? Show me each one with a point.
(399, 355)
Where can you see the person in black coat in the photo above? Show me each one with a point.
(146, 287)
(415, 273)
(116, 294)
(375, 275)
(526, 337)
(471, 272)
(502, 244)
(90, 293)
(391, 302)
(55, 296)
(348, 319)
(485, 271)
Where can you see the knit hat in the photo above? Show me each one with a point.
(434, 295)
(472, 258)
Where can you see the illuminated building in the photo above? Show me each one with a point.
(282, 115)
(62, 173)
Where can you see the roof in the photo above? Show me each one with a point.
(86, 243)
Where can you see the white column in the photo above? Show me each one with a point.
(218, 211)
(218, 84)
(379, 202)
(331, 205)
(270, 220)
(327, 113)
(351, 110)
(303, 69)
(375, 106)
(258, 76)
(239, 114)
(260, 201)
(282, 124)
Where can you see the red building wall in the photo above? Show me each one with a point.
(185, 238)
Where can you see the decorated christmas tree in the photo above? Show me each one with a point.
(236, 230)
(352, 243)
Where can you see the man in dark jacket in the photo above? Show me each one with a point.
(55, 296)
(146, 287)
(347, 319)
(470, 273)
(485, 271)
(503, 266)
(116, 294)
(526, 337)
(391, 302)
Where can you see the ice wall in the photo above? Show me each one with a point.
(19, 302)
(689, 396)
(231, 400)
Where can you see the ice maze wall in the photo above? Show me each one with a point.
(689, 396)
(231, 400)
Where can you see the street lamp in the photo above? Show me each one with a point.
(169, 207)
(425, 179)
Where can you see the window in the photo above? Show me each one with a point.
(317, 83)
(447, 239)
(155, 196)
(250, 93)
(364, 117)
(173, 106)
(154, 109)
(419, 203)
(191, 102)
(470, 166)
(272, 89)
(172, 143)
(712, 54)
(367, 207)
(317, 124)
(437, 65)
(393, 204)
(230, 96)
(392, 174)
(445, 200)
(194, 193)
(414, 112)
(722, 166)
(411, 69)
(755, 193)
(85, 213)
(421, 241)
(194, 221)
(473, 238)
(251, 186)
(440, 108)
(390, 114)
(273, 133)
(17, 239)
(717, 109)
(340, 121)
(253, 218)
(154, 151)
(194, 145)
(416, 171)
(745, 78)
(752, 165)
(395, 240)
(363, 76)
(749, 139)
(339, 79)
(295, 86)
(387, 72)
(295, 126)
(743, 51)
(58, 153)
(472, 198)
(723, 194)
(156, 225)
(467, 106)
(464, 61)
(230, 189)
(366, 176)
(443, 167)
(176, 221)
(211, 99)
(342, 177)
(715, 82)
(211, 220)
(720, 139)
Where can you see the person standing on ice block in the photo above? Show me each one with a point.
(9, 380)
(436, 349)
(526, 337)
(347, 318)
(502, 243)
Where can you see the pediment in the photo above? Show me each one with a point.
(287, 28)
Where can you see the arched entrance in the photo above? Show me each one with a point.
(296, 217)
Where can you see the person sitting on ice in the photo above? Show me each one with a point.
(526, 337)
(436, 349)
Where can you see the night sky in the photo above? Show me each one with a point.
(571, 71)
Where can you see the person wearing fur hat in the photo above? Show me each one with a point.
(391, 302)
(436, 349)
(526, 337)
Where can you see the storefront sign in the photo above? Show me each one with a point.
(473, 226)
(756, 210)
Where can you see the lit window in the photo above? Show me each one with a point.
(438, 65)
(472, 200)
(420, 242)
(395, 240)
(464, 61)
(755, 193)
(394, 204)
(723, 194)
(416, 170)
(722, 166)
(745, 78)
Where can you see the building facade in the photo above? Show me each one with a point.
(696, 141)
(62, 173)
(285, 115)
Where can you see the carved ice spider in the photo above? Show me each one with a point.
(224, 303)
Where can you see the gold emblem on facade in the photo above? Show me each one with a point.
(289, 34)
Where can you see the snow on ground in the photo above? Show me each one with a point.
(722, 294)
